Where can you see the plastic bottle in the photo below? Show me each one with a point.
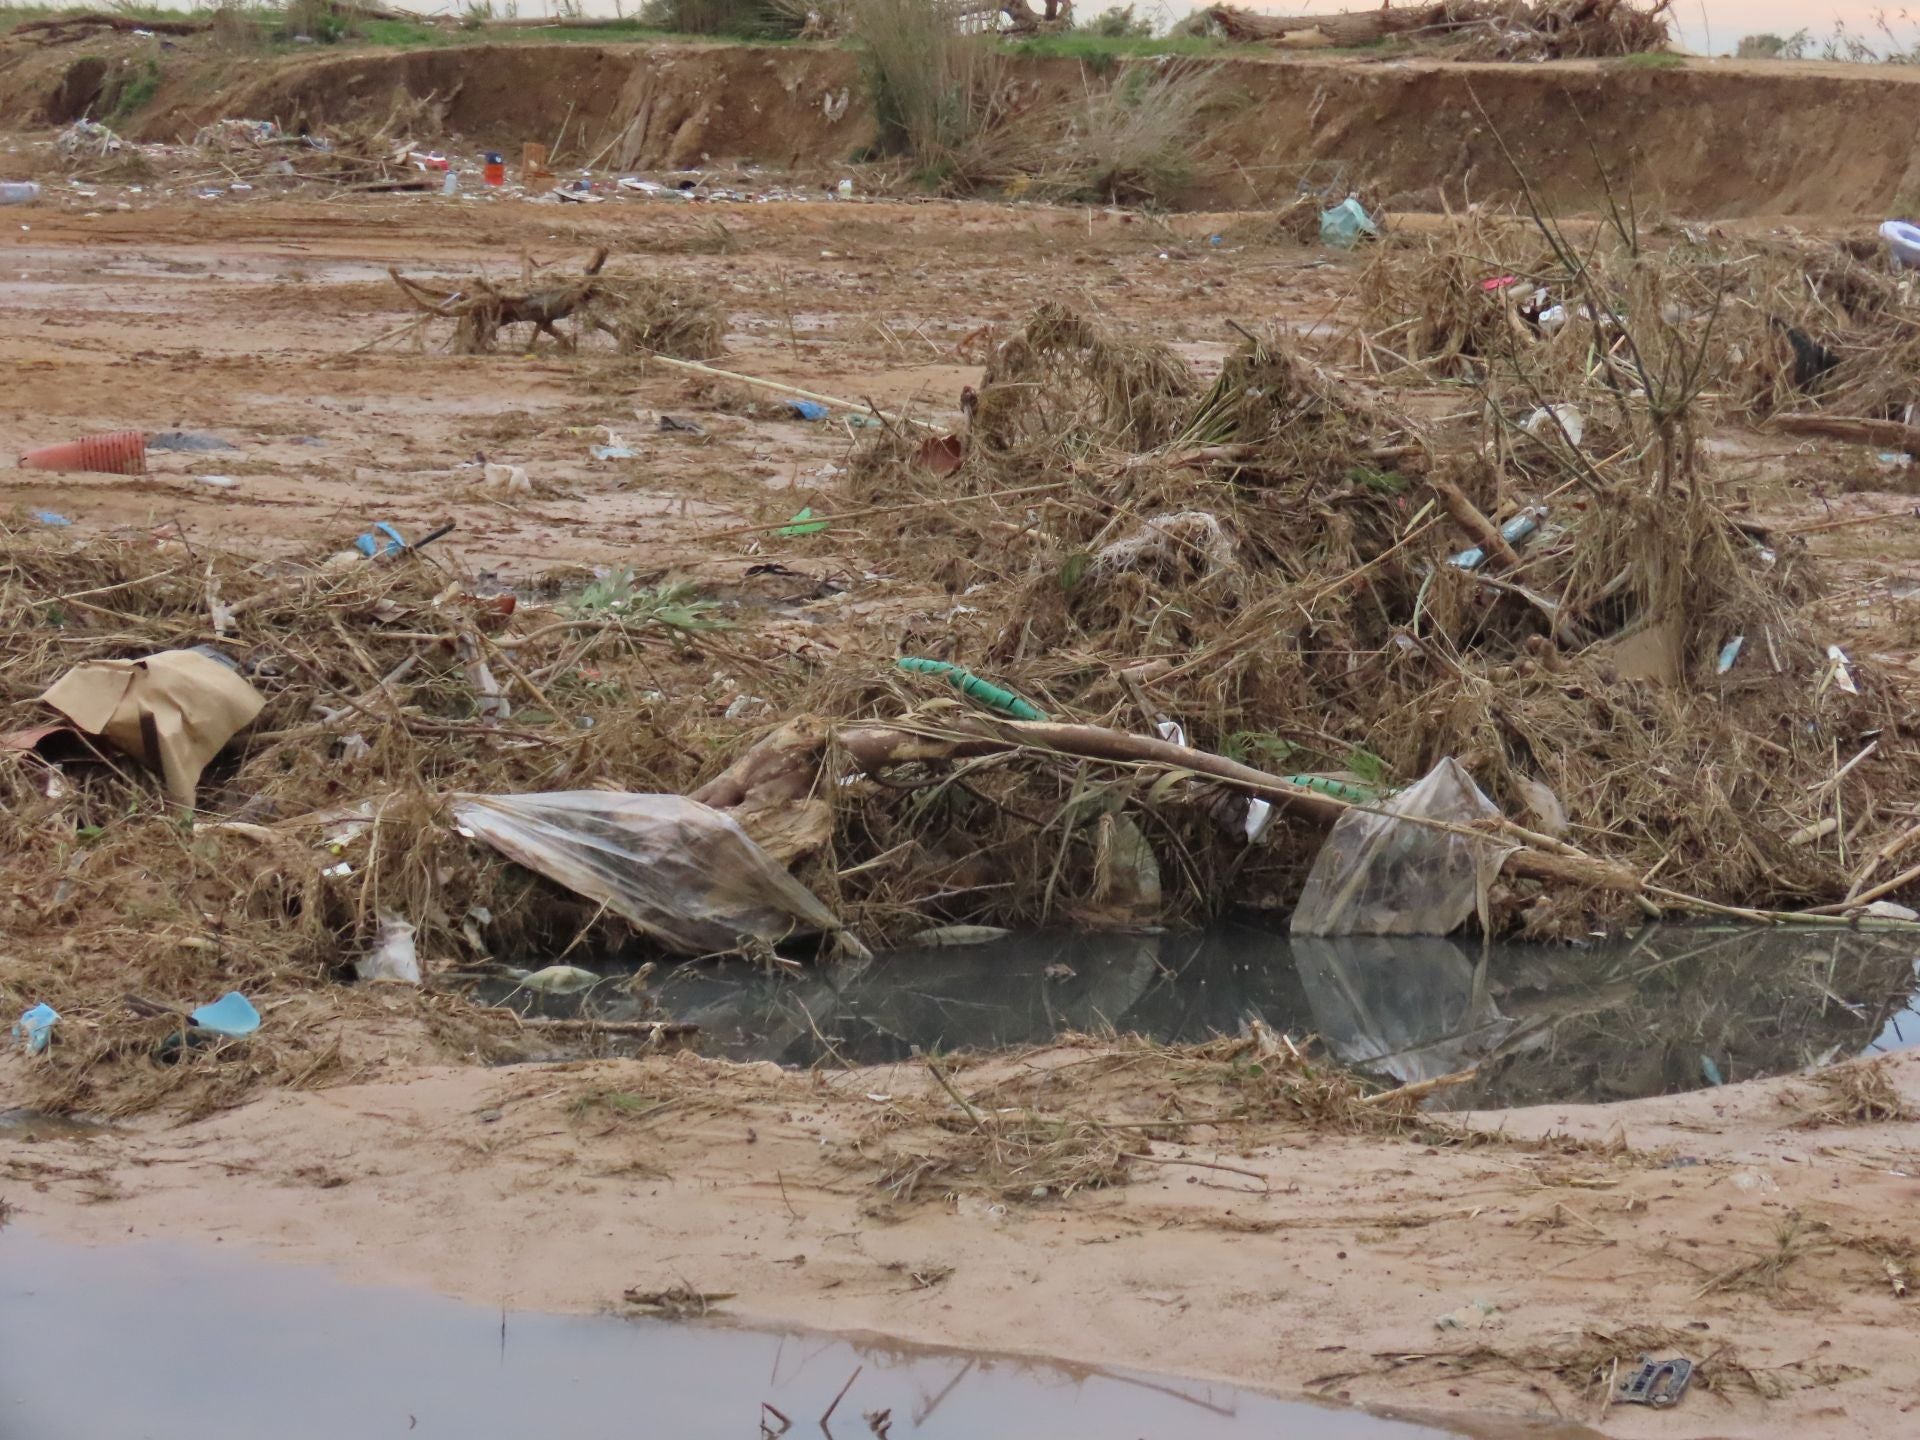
(18, 192)
(493, 169)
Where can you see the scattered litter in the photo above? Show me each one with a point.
(372, 544)
(231, 1017)
(1841, 671)
(686, 874)
(1540, 424)
(186, 442)
(34, 1029)
(614, 452)
(561, 980)
(802, 523)
(218, 482)
(1888, 910)
(507, 479)
(973, 687)
(393, 960)
(123, 452)
(1513, 532)
(942, 455)
(1346, 225)
(942, 937)
(1659, 1383)
(1186, 534)
(1903, 239)
(1380, 875)
(173, 710)
(674, 424)
(844, 189)
(1480, 1315)
(1548, 814)
(807, 409)
(88, 138)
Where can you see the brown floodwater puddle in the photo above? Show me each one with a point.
(171, 1342)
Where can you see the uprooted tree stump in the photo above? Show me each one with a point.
(483, 310)
(651, 316)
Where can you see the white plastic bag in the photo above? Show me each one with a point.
(682, 872)
(394, 960)
(1377, 875)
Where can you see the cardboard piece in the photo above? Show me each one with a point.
(172, 711)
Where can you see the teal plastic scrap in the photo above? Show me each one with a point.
(974, 688)
(1346, 225)
(34, 1029)
(232, 1015)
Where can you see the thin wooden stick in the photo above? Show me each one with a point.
(696, 368)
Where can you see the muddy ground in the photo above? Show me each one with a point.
(1292, 1250)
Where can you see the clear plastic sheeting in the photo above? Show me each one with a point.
(682, 872)
(1378, 875)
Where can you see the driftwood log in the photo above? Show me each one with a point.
(785, 768)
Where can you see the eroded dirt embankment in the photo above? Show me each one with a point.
(1708, 138)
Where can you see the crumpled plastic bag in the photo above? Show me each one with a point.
(394, 958)
(682, 872)
(1346, 225)
(1377, 875)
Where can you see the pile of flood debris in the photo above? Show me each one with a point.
(1450, 618)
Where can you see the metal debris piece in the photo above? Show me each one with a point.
(1658, 1383)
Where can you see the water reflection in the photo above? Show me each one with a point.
(1666, 1011)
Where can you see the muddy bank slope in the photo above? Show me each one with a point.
(1707, 138)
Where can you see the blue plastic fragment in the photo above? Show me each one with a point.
(370, 545)
(614, 452)
(35, 1028)
(808, 409)
(51, 517)
(1729, 653)
(1710, 1070)
(232, 1015)
(1514, 531)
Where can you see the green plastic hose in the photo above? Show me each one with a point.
(974, 688)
